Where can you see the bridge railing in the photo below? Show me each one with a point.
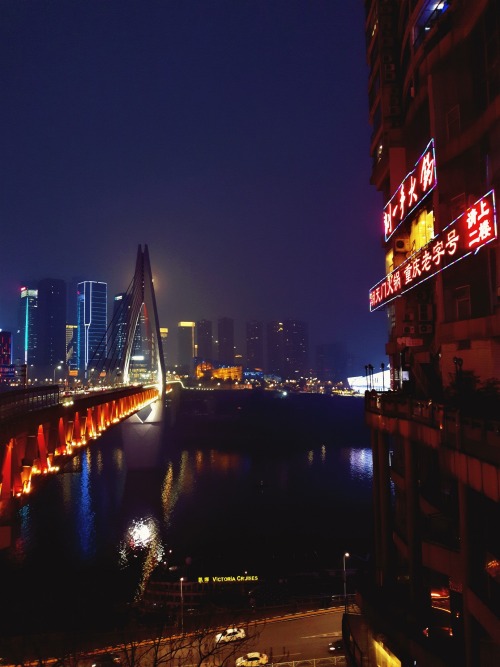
(21, 401)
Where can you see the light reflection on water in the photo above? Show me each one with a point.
(135, 497)
(142, 540)
(86, 517)
(361, 464)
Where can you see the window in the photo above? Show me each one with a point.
(462, 301)
(453, 122)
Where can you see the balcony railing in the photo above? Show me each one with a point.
(475, 436)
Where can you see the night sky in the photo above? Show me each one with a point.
(232, 137)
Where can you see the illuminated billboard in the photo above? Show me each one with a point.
(464, 236)
(412, 191)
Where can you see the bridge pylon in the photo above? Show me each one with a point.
(142, 301)
(132, 351)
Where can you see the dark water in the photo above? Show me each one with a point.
(266, 486)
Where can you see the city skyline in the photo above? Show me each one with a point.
(230, 341)
(232, 138)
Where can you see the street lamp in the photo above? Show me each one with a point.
(57, 368)
(182, 607)
(346, 555)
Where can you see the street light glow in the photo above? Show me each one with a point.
(346, 555)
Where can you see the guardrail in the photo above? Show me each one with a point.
(21, 401)
(312, 662)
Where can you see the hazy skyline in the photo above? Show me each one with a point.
(231, 137)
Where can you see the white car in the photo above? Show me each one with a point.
(230, 635)
(252, 660)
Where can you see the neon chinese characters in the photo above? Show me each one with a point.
(415, 187)
(465, 235)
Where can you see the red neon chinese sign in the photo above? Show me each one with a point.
(465, 235)
(415, 187)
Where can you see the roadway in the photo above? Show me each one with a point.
(300, 640)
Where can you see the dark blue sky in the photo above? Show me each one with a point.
(231, 137)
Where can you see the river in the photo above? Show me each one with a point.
(230, 482)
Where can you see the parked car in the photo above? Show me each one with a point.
(252, 660)
(336, 647)
(230, 635)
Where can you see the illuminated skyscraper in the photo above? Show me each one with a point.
(118, 327)
(164, 343)
(225, 335)
(27, 326)
(255, 344)
(71, 349)
(204, 340)
(142, 349)
(92, 323)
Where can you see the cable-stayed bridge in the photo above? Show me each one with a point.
(40, 428)
(131, 349)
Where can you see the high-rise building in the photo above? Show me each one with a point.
(434, 99)
(92, 299)
(331, 362)
(204, 340)
(71, 349)
(164, 343)
(72, 300)
(275, 349)
(7, 369)
(295, 349)
(185, 349)
(225, 335)
(51, 326)
(142, 349)
(255, 345)
(5, 348)
(117, 340)
(27, 330)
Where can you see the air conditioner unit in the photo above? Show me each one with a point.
(408, 330)
(425, 328)
(402, 245)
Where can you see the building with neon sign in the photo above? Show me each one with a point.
(434, 100)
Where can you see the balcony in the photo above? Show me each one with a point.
(469, 447)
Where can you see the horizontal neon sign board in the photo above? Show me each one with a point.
(465, 235)
(228, 580)
(415, 187)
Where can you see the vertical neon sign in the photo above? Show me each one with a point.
(414, 188)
